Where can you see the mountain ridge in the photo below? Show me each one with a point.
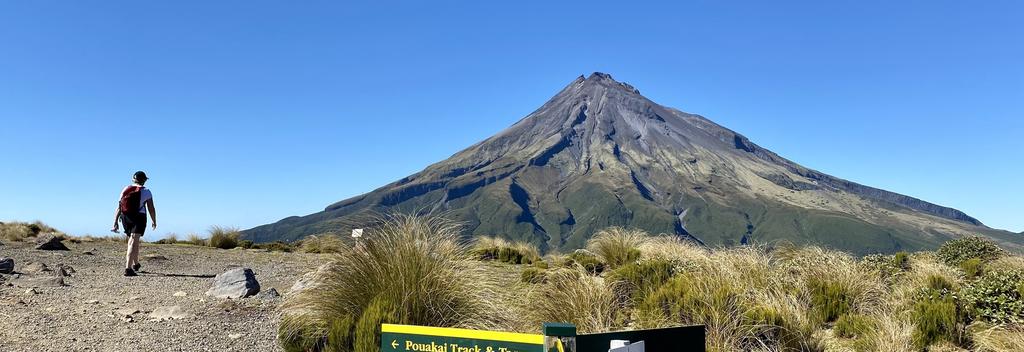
(598, 153)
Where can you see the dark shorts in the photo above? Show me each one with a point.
(134, 223)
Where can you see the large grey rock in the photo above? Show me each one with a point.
(6, 266)
(235, 283)
(50, 243)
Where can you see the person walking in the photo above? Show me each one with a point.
(135, 200)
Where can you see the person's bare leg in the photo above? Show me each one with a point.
(128, 253)
(136, 244)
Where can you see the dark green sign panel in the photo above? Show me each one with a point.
(412, 338)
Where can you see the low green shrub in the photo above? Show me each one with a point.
(245, 244)
(276, 246)
(901, 260)
(972, 267)
(638, 278)
(224, 237)
(324, 243)
(853, 325)
(885, 265)
(996, 297)
(587, 260)
(957, 251)
(169, 239)
(829, 298)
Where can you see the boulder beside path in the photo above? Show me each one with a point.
(50, 242)
(235, 283)
(6, 266)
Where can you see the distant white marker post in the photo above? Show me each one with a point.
(356, 234)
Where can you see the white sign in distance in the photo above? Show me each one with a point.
(357, 233)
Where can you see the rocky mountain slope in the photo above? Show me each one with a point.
(600, 154)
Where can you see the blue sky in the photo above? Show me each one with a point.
(245, 112)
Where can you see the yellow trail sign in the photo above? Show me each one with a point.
(405, 338)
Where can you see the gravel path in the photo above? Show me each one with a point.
(93, 311)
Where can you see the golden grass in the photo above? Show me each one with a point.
(195, 240)
(572, 295)
(19, 231)
(999, 338)
(750, 298)
(409, 270)
(617, 246)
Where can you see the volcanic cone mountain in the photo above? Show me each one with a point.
(599, 154)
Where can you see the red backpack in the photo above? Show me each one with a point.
(131, 199)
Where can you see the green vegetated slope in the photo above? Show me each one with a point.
(599, 154)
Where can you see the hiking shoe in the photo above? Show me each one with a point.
(130, 272)
(136, 267)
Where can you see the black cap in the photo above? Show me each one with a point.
(139, 176)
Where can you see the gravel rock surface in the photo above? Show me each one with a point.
(83, 303)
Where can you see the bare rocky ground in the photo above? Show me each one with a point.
(98, 309)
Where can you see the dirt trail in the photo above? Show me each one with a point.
(91, 312)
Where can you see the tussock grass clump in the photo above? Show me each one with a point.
(617, 246)
(224, 237)
(886, 267)
(195, 240)
(407, 270)
(710, 300)
(999, 338)
(893, 331)
(573, 295)
(19, 231)
(171, 238)
(326, 243)
(853, 325)
(957, 251)
(830, 298)
(585, 259)
(496, 248)
(533, 275)
(641, 277)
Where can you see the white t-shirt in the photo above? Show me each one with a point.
(144, 195)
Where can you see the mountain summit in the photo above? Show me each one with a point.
(599, 154)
